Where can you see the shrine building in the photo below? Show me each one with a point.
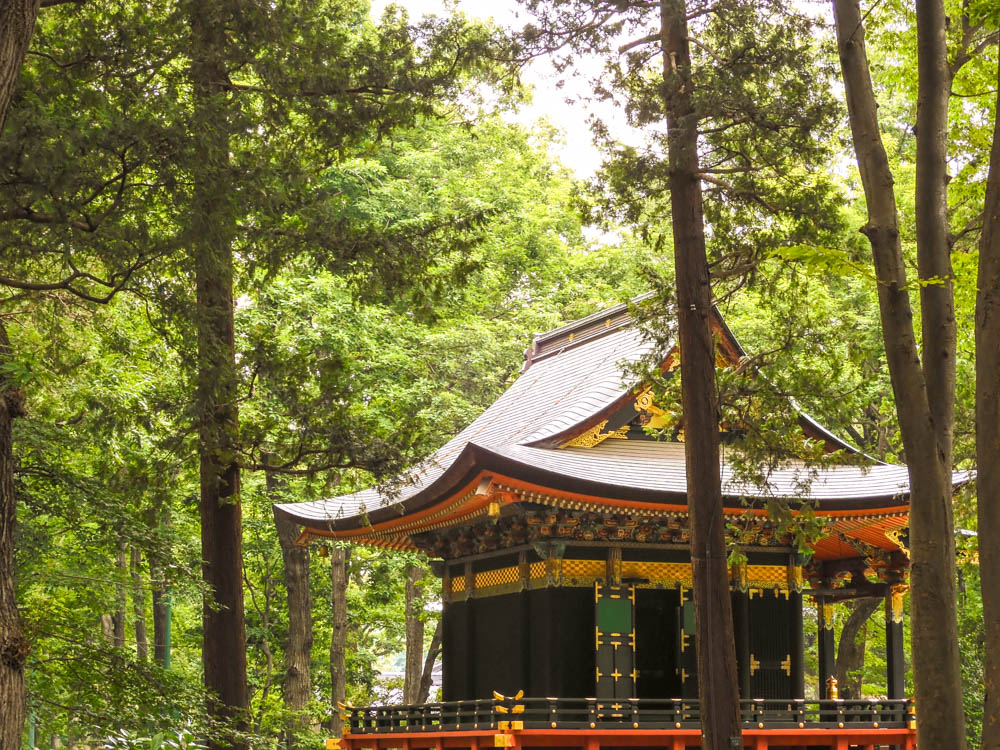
(559, 529)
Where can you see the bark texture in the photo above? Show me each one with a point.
(936, 671)
(414, 636)
(17, 22)
(212, 232)
(851, 650)
(988, 436)
(937, 306)
(297, 685)
(14, 646)
(718, 685)
(338, 638)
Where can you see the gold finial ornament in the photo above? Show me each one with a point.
(832, 691)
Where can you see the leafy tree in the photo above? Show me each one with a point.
(924, 380)
(206, 127)
(708, 98)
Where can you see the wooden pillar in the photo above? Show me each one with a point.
(741, 627)
(527, 647)
(825, 641)
(471, 686)
(797, 654)
(895, 665)
(687, 660)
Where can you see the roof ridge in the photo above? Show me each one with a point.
(580, 330)
(589, 319)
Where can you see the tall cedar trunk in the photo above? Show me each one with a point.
(427, 678)
(14, 646)
(138, 604)
(414, 636)
(718, 687)
(338, 638)
(851, 651)
(212, 231)
(988, 435)
(297, 687)
(936, 672)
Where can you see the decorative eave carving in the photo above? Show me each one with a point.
(595, 436)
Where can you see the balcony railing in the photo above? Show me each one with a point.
(636, 713)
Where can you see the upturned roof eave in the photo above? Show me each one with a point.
(476, 460)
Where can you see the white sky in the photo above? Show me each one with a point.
(548, 101)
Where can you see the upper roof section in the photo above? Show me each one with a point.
(575, 392)
(579, 332)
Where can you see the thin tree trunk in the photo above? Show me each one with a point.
(427, 678)
(17, 23)
(121, 598)
(338, 639)
(108, 628)
(14, 647)
(298, 652)
(936, 672)
(414, 635)
(988, 435)
(139, 604)
(158, 575)
(851, 650)
(715, 646)
(211, 237)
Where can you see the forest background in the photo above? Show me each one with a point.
(395, 247)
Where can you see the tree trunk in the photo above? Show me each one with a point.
(17, 23)
(108, 628)
(14, 646)
(414, 635)
(138, 605)
(936, 672)
(427, 678)
(937, 304)
(338, 639)
(851, 651)
(121, 598)
(161, 608)
(298, 652)
(212, 231)
(160, 621)
(988, 435)
(715, 646)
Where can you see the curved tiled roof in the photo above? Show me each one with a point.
(573, 376)
(553, 395)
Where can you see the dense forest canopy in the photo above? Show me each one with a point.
(265, 253)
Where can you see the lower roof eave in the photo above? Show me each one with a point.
(477, 461)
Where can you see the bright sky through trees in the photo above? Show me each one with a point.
(549, 100)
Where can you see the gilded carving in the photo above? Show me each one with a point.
(896, 537)
(596, 435)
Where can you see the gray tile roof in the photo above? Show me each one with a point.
(564, 388)
(551, 396)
